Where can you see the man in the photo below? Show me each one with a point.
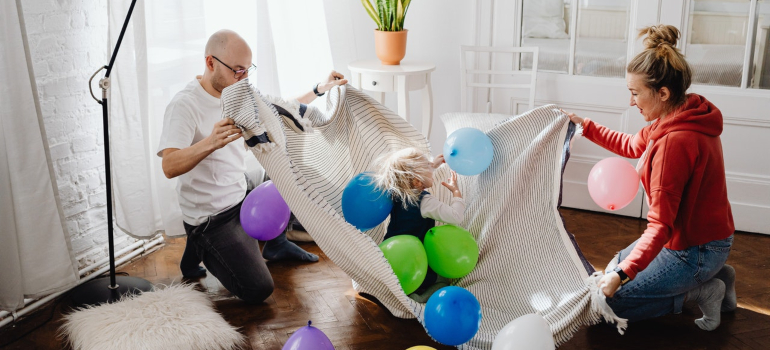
(198, 146)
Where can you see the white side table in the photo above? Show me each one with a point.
(408, 76)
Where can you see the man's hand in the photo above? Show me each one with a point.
(334, 79)
(223, 133)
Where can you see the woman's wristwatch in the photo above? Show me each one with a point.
(315, 90)
(623, 276)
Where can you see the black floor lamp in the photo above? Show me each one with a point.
(107, 290)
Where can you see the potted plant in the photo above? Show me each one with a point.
(390, 35)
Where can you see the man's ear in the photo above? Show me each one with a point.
(210, 63)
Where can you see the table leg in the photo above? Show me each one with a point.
(357, 80)
(427, 107)
(403, 98)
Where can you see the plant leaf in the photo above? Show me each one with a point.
(370, 10)
(383, 15)
(399, 15)
(406, 7)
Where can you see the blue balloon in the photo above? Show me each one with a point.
(452, 315)
(468, 151)
(363, 205)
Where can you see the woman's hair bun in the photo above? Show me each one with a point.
(658, 35)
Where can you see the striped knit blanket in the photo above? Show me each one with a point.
(528, 262)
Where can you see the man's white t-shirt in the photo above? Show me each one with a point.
(218, 182)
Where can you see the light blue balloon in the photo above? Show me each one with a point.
(363, 205)
(452, 315)
(468, 151)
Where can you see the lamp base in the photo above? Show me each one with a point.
(97, 291)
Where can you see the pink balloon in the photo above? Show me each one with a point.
(613, 183)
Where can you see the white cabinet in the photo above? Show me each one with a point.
(373, 76)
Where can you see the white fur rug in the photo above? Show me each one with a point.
(176, 317)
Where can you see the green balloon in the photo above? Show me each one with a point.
(406, 256)
(452, 251)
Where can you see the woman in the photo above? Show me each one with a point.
(690, 229)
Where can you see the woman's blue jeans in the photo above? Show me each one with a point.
(660, 288)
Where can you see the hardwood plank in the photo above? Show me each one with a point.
(323, 293)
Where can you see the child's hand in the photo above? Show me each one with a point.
(438, 161)
(451, 184)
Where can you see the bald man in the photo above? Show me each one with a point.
(198, 147)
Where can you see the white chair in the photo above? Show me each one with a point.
(467, 85)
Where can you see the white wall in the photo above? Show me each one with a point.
(437, 28)
(68, 42)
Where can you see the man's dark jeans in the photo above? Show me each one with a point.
(231, 255)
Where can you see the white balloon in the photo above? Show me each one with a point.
(528, 332)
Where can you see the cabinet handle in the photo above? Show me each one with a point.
(374, 83)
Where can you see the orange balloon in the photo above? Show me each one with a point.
(421, 347)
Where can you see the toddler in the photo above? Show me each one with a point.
(405, 175)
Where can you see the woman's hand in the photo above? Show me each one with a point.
(438, 161)
(573, 117)
(334, 79)
(609, 284)
(451, 184)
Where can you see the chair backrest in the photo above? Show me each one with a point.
(468, 85)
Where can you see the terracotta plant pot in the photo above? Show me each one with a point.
(390, 47)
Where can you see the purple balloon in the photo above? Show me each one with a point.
(308, 338)
(264, 213)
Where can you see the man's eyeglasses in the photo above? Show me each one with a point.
(238, 73)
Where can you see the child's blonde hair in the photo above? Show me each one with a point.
(395, 173)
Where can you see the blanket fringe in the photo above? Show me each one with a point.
(599, 304)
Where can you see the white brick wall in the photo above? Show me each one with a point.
(68, 42)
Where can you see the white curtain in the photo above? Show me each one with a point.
(162, 51)
(301, 44)
(134, 174)
(35, 257)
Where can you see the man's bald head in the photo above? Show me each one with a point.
(224, 42)
(229, 49)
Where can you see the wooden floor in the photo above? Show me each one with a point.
(321, 292)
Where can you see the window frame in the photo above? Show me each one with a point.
(677, 13)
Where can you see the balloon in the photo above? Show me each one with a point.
(264, 213)
(452, 251)
(526, 332)
(308, 338)
(421, 347)
(613, 183)
(452, 315)
(406, 256)
(468, 151)
(363, 205)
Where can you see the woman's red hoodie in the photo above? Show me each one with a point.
(683, 174)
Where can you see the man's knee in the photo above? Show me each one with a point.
(257, 294)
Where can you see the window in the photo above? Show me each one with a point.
(545, 26)
(600, 45)
(726, 42)
(761, 77)
(716, 40)
(602, 38)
